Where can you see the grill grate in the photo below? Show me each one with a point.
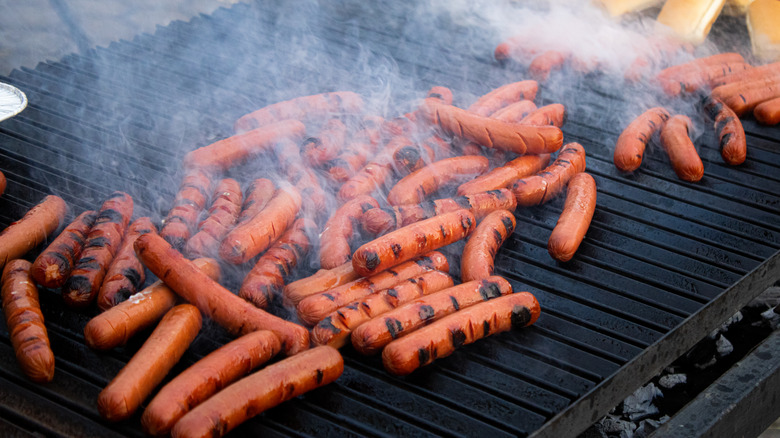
(658, 252)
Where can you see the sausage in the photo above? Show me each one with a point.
(515, 111)
(115, 326)
(52, 267)
(677, 143)
(125, 274)
(336, 327)
(755, 73)
(411, 241)
(441, 148)
(502, 96)
(24, 320)
(256, 197)
(698, 64)
(230, 311)
(630, 146)
(479, 254)
(441, 338)
(380, 220)
(412, 157)
(3, 183)
(320, 281)
(314, 200)
(504, 176)
(356, 151)
(304, 108)
(693, 80)
(375, 174)
(313, 308)
(258, 392)
(326, 145)
(749, 96)
(553, 114)
(514, 48)
(731, 134)
(510, 137)
(223, 215)
(768, 112)
(206, 377)
(257, 234)
(540, 188)
(373, 335)
(543, 64)
(149, 365)
(732, 89)
(575, 218)
(266, 279)
(339, 229)
(103, 242)
(189, 202)
(32, 229)
(418, 185)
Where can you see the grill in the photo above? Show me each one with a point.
(663, 264)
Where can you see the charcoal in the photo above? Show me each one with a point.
(639, 405)
(671, 380)
(768, 298)
(723, 346)
(648, 426)
(614, 425)
(737, 317)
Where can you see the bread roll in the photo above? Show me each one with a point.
(691, 20)
(736, 7)
(763, 23)
(620, 7)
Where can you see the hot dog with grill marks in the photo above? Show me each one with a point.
(32, 229)
(677, 143)
(335, 328)
(256, 197)
(553, 114)
(441, 338)
(575, 218)
(543, 64)
(515, 111)
(411, 241)
(410, 158)
(261, 391)
(374, 175)
(375, 334)
(189, 202)
(103, 242)
(225, 308)
(380, 220)
(746, 99)
(314, 200)
(320, 281)
(206, 377)
(512, 137)
(503, 176)
(223, 214)
(768, 112)
(149, 365)
(698, 64)
(479, 254)
(24, 320)
(3, 183)
(313, 308)
(257, 234)
(694, 80)
(115, 326)
(755, 73)
(733, 144)
(304, 108)
(630, 146)
(338, 231)
(353, 156)
(418, 185)
(266, 279)
(504, 95)
(52, 267)
(326, 145)
(125, 274)
(540, 188)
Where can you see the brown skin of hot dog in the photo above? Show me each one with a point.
(547, 184)
(731, 134)
(320, 281)
(32, 229)
(338, 231)
(223, 215)
(575, 218)
(418, 185)
(630, 146)
(504, 176)
(553, 114)
(504, 95)
(678, 145)
(257, 195)
(52, 267)
(326, 145)
(125, 274)
(479, 254)
(304, 108)
(768, 112)
(190, 200)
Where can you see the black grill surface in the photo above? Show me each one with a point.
(658, 252)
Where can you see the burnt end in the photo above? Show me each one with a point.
(455, 303)
(436, 96)
(96, 242)
(408, 155)
(508, 225)
(88, 263)
(327, 324)
(134, 276)
(458, 338)
(426, 312)
(311, 142)
(725, 139)
(61, 261)
(396, 248)
(371, 259)
(364, 207)
(77, 236)
(109, 215)
(463, 201)
(489, 290)
(178, 242)
(122, 295)
(423, 356)
(521, 316)
(393, 326)
(320, 376)
(485, 329)
(78, 285)
(117, 195)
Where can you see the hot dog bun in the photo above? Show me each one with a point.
(736, 7)
(620, 7)
(763, 17)
(691, 20)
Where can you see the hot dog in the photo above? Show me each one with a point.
(225, 308)
(515, 111)
(630, 146)
(258, 392)
(373, 335)
(258, 233)
(32, 229)
(206, 377)
(223, 215)
(511, 137)
(734, 88)
(149, 365)
(503, 176)
(338, 231)
(441, 338)
(322, 280)
(543, 64)
(335, 328)
(100, 248)
(755, 73)
(743, 101)
(575, 218)
(353, 156)
(304, 108)
(409, 158)
(698, 64)
(479, 253)
(3, 183)
(190, 200)
(733, 144)
(677, 143)
(24, 320)
(52, 267)
(256, 197)
(314, 200)
(694, 80)
(768, 112)
(313, 308)
(411, 241)
(125, 274)
(553, 114)
(418, 185)
(502, 96)
(540, 188)
(326, 145)
(380, 220)
(375, 174)
(266, 279)
(117, 325)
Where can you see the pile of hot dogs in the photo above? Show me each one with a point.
(406, 188)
